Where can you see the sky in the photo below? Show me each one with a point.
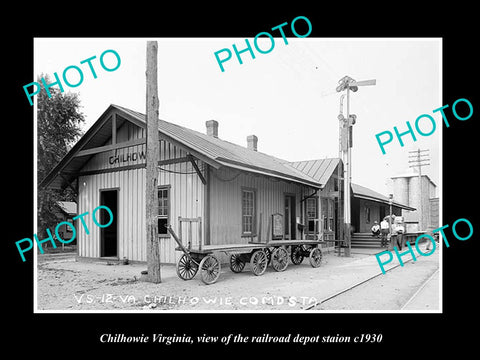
(286, 97)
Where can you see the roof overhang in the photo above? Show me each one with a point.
(383, 201)
(257, 170)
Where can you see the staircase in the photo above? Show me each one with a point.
(365, 240)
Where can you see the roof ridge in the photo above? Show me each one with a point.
(282, 162)
(325, 158)
(210, 138)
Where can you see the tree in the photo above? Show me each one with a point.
(58, 127)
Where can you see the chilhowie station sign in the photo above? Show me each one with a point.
(129, 156)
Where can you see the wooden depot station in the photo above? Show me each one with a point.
(214, 197)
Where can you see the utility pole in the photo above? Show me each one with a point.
(390, 203)
(418, 158)
(152, 157)
(346, 143)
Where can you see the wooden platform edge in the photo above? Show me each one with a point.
(208, 249)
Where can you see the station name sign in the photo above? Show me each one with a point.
(130, 156)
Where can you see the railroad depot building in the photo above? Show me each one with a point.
(234, 192)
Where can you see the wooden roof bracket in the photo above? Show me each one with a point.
(309, 196)
(75, 191)
(195, 166)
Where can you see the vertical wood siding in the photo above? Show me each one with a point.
(126, 132)
(186, 199)
(130, 216)
(187, 194)
(366, 226)
(226, 203)
(328, 192)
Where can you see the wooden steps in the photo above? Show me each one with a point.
(365, 240)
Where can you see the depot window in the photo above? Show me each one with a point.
(163, 210)
(328, 214)
(248, 211)
(311, 211)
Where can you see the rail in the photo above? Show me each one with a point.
(318, 303)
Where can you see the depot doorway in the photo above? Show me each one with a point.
(109, 234)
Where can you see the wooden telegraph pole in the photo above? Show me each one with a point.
(151, 193)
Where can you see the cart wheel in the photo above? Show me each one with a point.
(315, 257)
(236, 263)
(186, 267)
(279, 259)
(258, 262)
(296, 255)
(210, 269)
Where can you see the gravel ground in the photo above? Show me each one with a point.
(70, 285)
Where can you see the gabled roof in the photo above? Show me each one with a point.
(227, 153)
(214, 151)
(320, 170)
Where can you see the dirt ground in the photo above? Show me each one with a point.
(68, 285)
(394, 289)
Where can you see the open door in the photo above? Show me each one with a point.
(109, 234)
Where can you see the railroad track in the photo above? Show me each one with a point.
(328, 298)
(419, 290)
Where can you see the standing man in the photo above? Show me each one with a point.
(384, 230)
(400, 229)
(392, 234)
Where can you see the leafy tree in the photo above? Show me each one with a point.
(59, 122)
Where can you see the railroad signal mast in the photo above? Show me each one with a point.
(418, 158)
(345, 149)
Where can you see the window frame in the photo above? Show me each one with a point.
(331, 215)
(253, 216)
(316, 229)
(168, 188)
(327, 214)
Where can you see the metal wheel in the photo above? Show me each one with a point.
(279, 259)
(315, 257)
(236, 263)
(186, 267)
(258, 262)
(296, 255)
(210, 269)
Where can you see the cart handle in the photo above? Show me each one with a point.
(179, 241)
